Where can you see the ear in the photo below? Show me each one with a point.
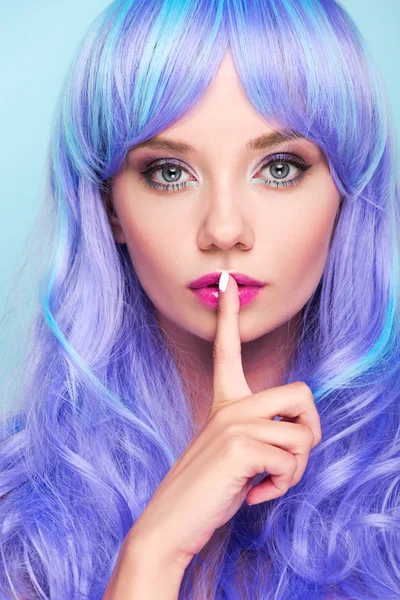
(116, 227)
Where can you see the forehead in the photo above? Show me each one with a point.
(225, 116)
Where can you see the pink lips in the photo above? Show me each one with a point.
(249, 288)
(213, 278)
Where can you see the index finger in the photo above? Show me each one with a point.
(229, 379)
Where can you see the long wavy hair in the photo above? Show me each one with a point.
(100, 411)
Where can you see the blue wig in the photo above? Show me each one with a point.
(100, 411)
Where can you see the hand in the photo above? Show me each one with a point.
(209, 482)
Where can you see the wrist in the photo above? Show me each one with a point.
(149, 549)
(145, 572)
(159, 572)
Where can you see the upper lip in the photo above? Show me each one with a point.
(211, 278)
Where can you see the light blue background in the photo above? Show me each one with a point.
(37, 42)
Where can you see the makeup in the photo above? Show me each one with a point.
(206, 288)
(209, 295)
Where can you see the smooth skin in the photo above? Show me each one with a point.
(239, 441)
(231, 360)
(226, 218)
(214, 475)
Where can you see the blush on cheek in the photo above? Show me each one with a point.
(305, 257)
(315, 260)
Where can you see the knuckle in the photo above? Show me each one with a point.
(236, 443)
(304, 389)
(284, 486)
(233, 430)
(295, 480)
(217, 351)
(220, 416)
(308, 436)
(291, 463)
(220, 353)
(223, 354)
(318, 437)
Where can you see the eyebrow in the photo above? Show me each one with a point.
(263, 142)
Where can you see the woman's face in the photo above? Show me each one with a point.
(225, 216)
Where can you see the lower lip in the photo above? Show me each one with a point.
(209, 295)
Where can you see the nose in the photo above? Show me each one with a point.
(225, 224)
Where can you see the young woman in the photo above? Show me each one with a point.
(174, 440)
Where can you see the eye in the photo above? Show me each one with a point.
(279, 167)
(171, 170)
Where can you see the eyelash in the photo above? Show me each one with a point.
(276, 158)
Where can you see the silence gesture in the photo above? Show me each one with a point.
(209, 482)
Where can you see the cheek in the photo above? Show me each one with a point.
(301, 246)
(154, 246)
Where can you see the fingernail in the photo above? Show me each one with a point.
(223, 281)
